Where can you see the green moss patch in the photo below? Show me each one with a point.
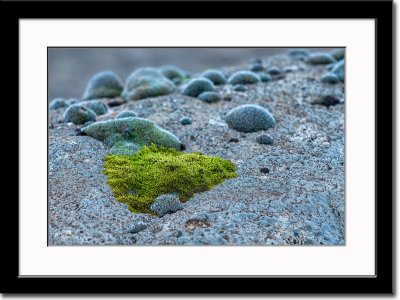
(138, 179)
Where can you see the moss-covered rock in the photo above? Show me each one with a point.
(197, 86)
(105, 84)
(147, 82)
(79, 114)
(249, 118)
(128, 135)
(216, 76)
(139, 179)
(98, 107)
(126, 114)
(244, 77)
(318, 58)
(209, 97)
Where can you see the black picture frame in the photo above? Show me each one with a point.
(381, 11)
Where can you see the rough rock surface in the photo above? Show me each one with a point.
(287, 193)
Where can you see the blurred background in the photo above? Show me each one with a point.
(70, 69)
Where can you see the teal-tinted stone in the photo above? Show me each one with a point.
(338, 69)
(79, 114)
(244, 77)
(147, 82)
(249, 118)
(317, 58)
(264, 77)
(197, 86)
(217, 77)
(185, 121)
(330, 78)
(209, 97)
(126, 114)
(166, 204)
(264, 139)
(337, 53)
(98, 107)
(105, 84)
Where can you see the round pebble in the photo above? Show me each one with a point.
(264, 139)
(217, 77)
(273, 70)
(186, 121)
(126, 114)
(265, 77)
(330, 78)
(239, 88)
(317, 58)
(197, 86)
(256, 66)
(105, 84)
(249, 118)
(244, 77)
(98, 107)
(209, 97)
(79, 114)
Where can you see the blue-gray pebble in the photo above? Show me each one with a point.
(317, 58)
(79, 114)
(98, 107)
(264, 77)
(185, 121)
(264, 139)
(166, 204)
(137, 227)
(250, 118)
(337, 53)
(273, 70)
(240, 88)
(209, 97)
(147, 82)
(61, 103)
(126, 114)
(197, 86)
(105, 84)
(244, 77)
(330, 78)
(217, 77)
(256, 66)
(338, 69)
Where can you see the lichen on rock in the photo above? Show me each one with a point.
(155, 171)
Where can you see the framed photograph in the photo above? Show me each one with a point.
(185, 145)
